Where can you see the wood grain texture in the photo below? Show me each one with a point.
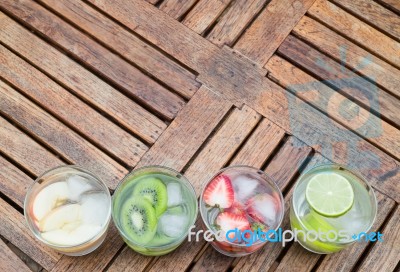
(25, 151)
(374, 14)
(328, 100)
(364, 92)
(58, 137)
(271, 27)
(13, 228)
(233, 22)
(332, 44)
(260, 145)
(9, 261)
(347, 259)
(176, 8)
(356, 30)
(188, 131)
(98, 58)
(204, 14)
(239, 80)
(394, 5)
(13, 182)
(70, 109)
(385, 256)
(127, 45)
(80, 81)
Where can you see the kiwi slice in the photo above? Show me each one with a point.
(139, 220)
(154, 190)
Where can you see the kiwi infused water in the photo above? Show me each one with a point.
(153, 209)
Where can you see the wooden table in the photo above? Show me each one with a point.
(196, 85)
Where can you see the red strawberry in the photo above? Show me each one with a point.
(237, 208)
(219, 192)
(229, 221)
(263, 208)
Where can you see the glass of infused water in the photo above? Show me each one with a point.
(241, 206)
(153, 209)
(69, 209)
(331, 208)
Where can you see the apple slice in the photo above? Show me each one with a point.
(78, 236)
(48, 198)
(60, 217)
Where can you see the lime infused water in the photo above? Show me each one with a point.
(153, 209)
(331, 207)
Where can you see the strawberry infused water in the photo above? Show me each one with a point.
(237, 204)
(69, 209)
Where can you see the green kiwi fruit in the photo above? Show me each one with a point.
(154, 190)
(160, 240)
(139, 220)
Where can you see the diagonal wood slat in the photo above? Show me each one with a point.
(9, 261)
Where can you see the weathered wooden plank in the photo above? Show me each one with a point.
(234, 21)
(188, 131)
(9, 261)
(58, 136)
(263, 259)
(385, 256)
(176, 8)
(318, 94)
(152, 1)
(222, 146)
(80, 81)
(237, 79)
(13, 228)
(70, 109)
(204, 14)
(98, 58)
(334, 74)
(356, 30)
(347, 259)
(334, 45)
(282, 169)
(394, 5)
(177, 145)
(25, 151)
(374, 14)
(271, 27)
(305, 260)
(260, 145)
(127, 45)
(13, 182)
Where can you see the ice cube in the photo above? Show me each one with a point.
(77, 185)
(174, 194)
(244, 187)
(172, 225)
(95, 207)
(263, 208)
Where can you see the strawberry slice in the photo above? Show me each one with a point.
(237, 208)
(219, 192)
(229, 221)
(263, 208)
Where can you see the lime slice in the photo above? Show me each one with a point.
(330, 194)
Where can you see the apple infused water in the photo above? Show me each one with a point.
(153, 209)
(69, 209)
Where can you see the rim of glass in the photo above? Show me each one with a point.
(81, 169)
(186, 182)
(352, 171)
(267, 178)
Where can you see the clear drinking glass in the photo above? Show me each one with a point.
(334, 232)
(68, 209)
(242, 198)
(153, 208)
